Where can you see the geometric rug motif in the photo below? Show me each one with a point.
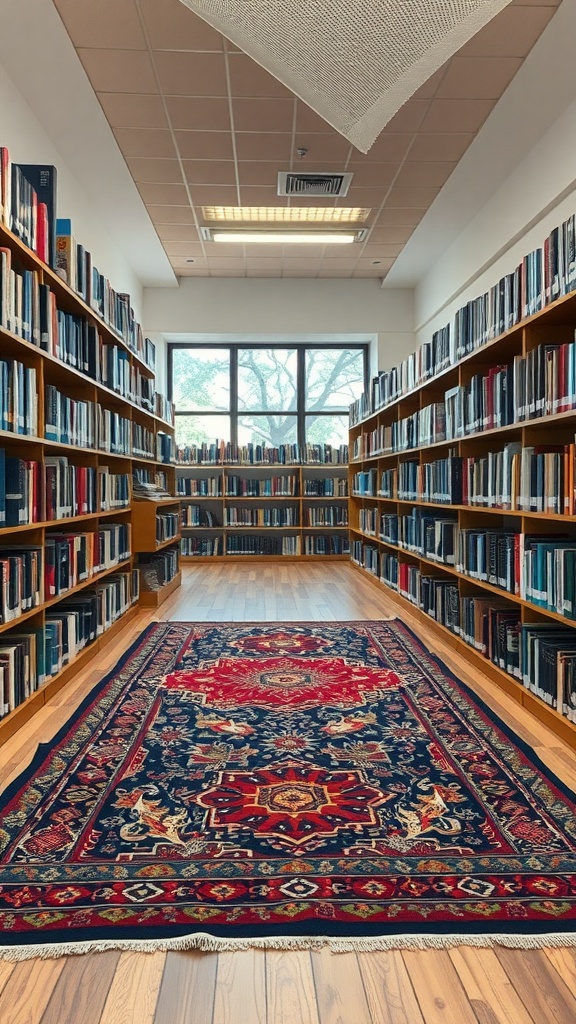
(283, 784)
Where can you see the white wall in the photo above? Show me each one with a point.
(286, 306)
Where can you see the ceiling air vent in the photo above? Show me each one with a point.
(293, 183)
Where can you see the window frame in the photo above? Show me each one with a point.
(234, 347)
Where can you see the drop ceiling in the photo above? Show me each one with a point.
(200, 124)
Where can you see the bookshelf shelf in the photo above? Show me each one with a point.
(290, 541)
(527, 457)
(120, 409)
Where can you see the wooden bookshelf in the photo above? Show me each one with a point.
(305, 506)
(50, 370)
(552, 326)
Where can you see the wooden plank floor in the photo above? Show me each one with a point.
(456, 986)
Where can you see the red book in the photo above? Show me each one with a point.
(42, 232)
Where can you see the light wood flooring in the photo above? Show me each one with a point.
(456, 986)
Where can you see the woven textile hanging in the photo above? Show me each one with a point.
(355, 62)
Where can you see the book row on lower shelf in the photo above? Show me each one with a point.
(32, 656)
(226, 453)
(540, 655)
(32, 574)
(159, 568)
(540, 568)
(248, 544)
(200, 517)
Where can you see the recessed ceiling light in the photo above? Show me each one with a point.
(286, 214)
(376, 263)
(282, 237)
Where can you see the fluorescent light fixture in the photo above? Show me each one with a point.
(290, 237)
(286, 214)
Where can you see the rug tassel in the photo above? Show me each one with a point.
(211, 944)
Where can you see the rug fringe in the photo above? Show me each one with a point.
(205, 943)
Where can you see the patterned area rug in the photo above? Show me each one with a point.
(284, 784)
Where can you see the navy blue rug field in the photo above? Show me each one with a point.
(284, 784)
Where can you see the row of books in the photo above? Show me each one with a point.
(248, 544)
(70, 559)
(159, 569)
(194, 517)
(28, 208)
(89, 425)
(200, 547)
(34, 492)
(261, 517)
(527, 479)
(196, 487)
(332, 515)
(327, 487)
(167, 526)
(31, 657)
(165, 448)
(225, 452)
(271, 487)
(21, 581)
(331, 544)
(543, 275)
(542, 656)
(18, 397)
(540, 569)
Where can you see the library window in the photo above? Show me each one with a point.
(265, 394)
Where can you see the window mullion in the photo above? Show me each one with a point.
(234, 394)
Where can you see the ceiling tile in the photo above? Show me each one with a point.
(252, 172)
(367, 264)
(301, 262)
(119, 70)
(207, 114)
(172, 26)
(379, 251)
(262, 272)
(328, 272)
(440, 147)
(264, 146)
(181, 262)
(456, 115)
(124, 110)
(171, 214)
(330, 262)
(262, 115)
(303, 272)
(176, 232)
(390, 235)
(160, 171)
(421, 198)
(145, 142)
(227, 272)
(224, 250)
(417, 173)
(261, 263)
(191, 74)
(247, 78)
(225, 263)
(260, 251)
(397, 216)
(183, 249)
(512, 33)
(409, 117)
(307, 120)
(322, 147)
(214, 195)
(483, 78)
(428, 90)
(210, 172)
(204, 145)
(366, 198)
(109, 24)
(389, 147)
(370, 175)
(163, 195)
(252, 195)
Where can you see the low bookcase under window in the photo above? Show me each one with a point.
(289, 511)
